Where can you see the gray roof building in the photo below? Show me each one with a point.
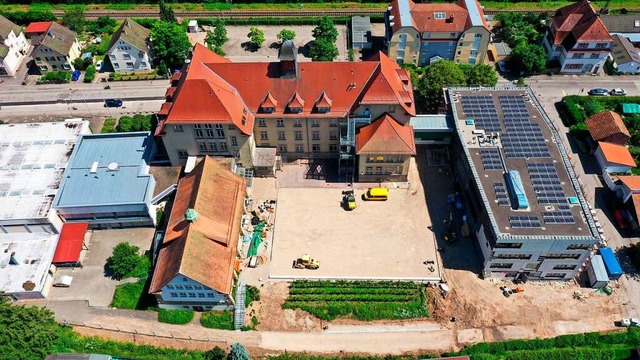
(58, 38)
(628, 23)
(133, 33)
(107, 181)
(6, 26)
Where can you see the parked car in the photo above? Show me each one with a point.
(618, 92)
(112, 103)
(599, 92)
(99, 65)
(75, 76)
(620, 220)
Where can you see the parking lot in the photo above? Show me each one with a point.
(89, 282)
(377, 240)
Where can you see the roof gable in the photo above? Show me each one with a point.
(269, 101)
(385, 136)
(204, 249)
(389, 88)
(59, 39)
(630, 181)
(324, 101)
(6, 27)
(605, 124)
(616, 154)
(581, 22)
(133, 34)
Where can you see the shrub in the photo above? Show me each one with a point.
(238, 352)
(123, 260)
(109, 126)
(253, 294)
(138, 122)
(217, 320)
(215, 354)
(90, 74)
(176, 317)
(82, 64)
(55, 77)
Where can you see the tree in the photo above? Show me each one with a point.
(74, 19)
(483, 75)
(517, 28)
(323, 50)
(26, 332)
(169, 43)
(437, 76)
(215, 354)
(219, 32)
(123, 260)
(166, 13)
(138, 122)
(82, 64)
(286, 34)
(326, 30)
(256, 36)
(104, 24)
(527, 58)
(238, 352)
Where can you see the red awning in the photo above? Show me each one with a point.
(70, 242)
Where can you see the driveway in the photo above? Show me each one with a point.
(89, 282)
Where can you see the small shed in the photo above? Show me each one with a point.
(70, 244)
(630, 108)
(613, 158)
(611, 262)
(597, 273)
(361, 32)
(193, 26)
(265, 162)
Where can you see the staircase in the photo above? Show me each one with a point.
(238, 314)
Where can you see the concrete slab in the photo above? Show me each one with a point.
(502, 333)
(377, 240)
(470, 336)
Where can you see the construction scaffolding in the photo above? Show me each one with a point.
(347, 160)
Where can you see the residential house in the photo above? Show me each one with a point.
(626, 25)
(577, 39)
(626, 57)
(614, 158)
(37, 29)
(607, 126)
(384, 147)
(423, 33)
(107, 183)
(56, 49)
(304, 110)
(13, 47)
(129, 49)
(195, 266)
(630, 185)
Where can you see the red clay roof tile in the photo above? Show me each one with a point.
(604, 124)
(616, 154)
(385, 136)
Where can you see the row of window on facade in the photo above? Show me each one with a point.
(216, 146)
(55, 67)
(297, 122)
(556, 267)
(503, 245)
(299, 148)
(383, 170)
(315, 135)
(192, 295)
(52, 58)
(386, 159)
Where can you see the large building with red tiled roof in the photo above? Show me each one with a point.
(304, 110)
(196, 260)
(578, 39)
(422, 33)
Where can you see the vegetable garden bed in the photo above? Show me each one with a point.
(362, 300)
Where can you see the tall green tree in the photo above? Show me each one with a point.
(483, 75)
(74, 19)
(527, 58)
(124, 258)
(286, 34)
(219, 32)
(256, 36)
(323, 50)
(238, 352)
(437, 76)
(326, 30)
(26, 332)
(217, 353)
(169, 43)
(517, 28)
(166, 12)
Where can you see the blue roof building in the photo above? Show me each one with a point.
(107, 181)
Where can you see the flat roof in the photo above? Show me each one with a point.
(360, 29)
(70, 243)
(505, 129)
(108, 169)
(441, 122)
(32, 160)
(24, 261)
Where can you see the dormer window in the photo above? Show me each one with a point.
(323, 104)
(296, 104)
(295, 110)
(440, 15)
(268, 110)
(268, 105)
(323, 110)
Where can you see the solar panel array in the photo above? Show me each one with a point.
(524, 221)
(501, 194)
(490, 159)
(523, 138)
(482, 110)
(562, 215)
(546, 183)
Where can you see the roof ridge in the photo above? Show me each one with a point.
(394, 123)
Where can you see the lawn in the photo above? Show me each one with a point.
(128, 296)
(361, 300)
(217, 320)
(176, 317)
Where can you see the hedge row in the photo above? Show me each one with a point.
(353, 284)
(346, 291)
(176, 317)
(578, 108)
(70, 2)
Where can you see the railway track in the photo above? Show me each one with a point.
(238, 14)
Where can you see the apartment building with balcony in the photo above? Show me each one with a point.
(423, 33)
(303, 110)
(577, 39)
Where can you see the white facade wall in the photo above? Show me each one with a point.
(584, 57)
(630, 67)
(125, 57)
(608, 167)
(185, 293)
(18, 51)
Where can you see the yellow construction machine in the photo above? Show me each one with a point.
(306, 262)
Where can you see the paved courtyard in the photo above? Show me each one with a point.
(89, 282)
(377, 240)
(235, 47)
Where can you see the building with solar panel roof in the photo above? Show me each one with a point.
(522, 198)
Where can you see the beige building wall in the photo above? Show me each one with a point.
(299, 137)
(180, 142)
(395, 110)
(472, 46)
(411, 46)
(373, 167)
(49, 60)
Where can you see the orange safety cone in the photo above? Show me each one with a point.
(519, 289)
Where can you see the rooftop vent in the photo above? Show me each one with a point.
(112, 166)
(94, 168)
(191, 215)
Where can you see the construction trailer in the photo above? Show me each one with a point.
(611, 263)
(597, 273)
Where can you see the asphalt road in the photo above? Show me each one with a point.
(77, 109)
